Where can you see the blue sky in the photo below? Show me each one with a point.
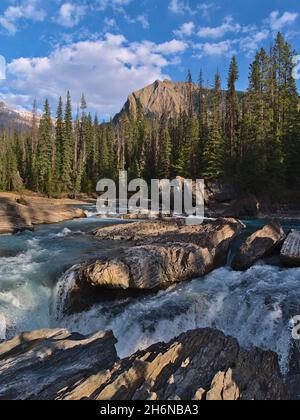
(109, 48)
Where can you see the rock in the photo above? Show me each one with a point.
(290, 252)
(15, 217)
(260, 244)
(47, 364)
(170, 253)
(200, 364)
(160, 98)
(228, 200)
(136, 231)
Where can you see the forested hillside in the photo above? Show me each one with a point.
(252, 139)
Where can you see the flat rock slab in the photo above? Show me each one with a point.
(262, 243)
(15, 217)
(202, 364)
(290, 252)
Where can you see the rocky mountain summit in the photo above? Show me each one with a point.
(166, 98)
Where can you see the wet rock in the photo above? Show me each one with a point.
(290, 252)
(200, 364)
(171, 253)
(47, 364)
(262, 243)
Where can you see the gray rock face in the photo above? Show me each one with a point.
(172, 252)
(198, 365)
(259, 245)
(46, 364)
(290, 252)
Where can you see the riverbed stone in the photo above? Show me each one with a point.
(262, 243)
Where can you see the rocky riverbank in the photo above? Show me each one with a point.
(18, 213)
(198, 365)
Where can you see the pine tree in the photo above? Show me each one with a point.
(44, 162)
(59, 146)
(67, 152)
(232, 118)
(33, 149)
(165, 154)
(214, 153)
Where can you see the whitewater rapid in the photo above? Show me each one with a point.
(255, 306)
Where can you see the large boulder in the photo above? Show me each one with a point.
(290, 252)
(260, 244)
(198, 365)
(169, 253)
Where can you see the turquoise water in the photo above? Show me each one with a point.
(255, 306)
(32, 262)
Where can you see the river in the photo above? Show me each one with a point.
(255, 306)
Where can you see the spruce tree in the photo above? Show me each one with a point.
(232, 118)
(214, 153)
(44, 162)
(59, 146)
(165, 154)
(67, 149)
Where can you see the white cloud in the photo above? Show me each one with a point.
(110, 24)
(143, 20)
(180, 7)
(250, 44)
(186, 29)
(115, 4)
(26, 10)
(107, 70)
(70, 14)
(219, 31)
(206, 9)
(171, 47)
(278, 22)
(216, 48)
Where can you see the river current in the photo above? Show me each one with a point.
(255, 306)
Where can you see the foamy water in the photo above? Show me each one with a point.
(255, 307)
(35, 277)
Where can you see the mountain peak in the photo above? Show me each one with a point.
(160, 98)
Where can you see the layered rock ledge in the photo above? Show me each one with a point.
(169, 252)
(198, 365)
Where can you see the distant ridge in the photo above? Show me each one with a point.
(13, 119)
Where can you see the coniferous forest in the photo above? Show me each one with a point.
(250, 138)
